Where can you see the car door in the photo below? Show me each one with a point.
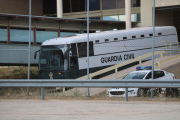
(159, 74)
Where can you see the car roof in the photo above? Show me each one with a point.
(145, 71)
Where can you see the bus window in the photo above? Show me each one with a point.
(82, 49)
(73, 63)
(73, 49)
(56, 58)
(53, 57)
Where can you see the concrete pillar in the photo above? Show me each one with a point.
(60, 8)
(128, 13)
(101, 17)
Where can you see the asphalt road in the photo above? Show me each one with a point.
(54, 109)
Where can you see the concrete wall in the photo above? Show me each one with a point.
(147, 10)
(175, 69)
(21, 7)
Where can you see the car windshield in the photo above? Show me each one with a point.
(136, 75)
(53, 57)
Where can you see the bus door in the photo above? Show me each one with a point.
(73, 62)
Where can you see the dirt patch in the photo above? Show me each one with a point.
(164, 99)
(175, 69)
(18, 72)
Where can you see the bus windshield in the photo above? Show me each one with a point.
(54, 57)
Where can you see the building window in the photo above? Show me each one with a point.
(64, 34)
(135, 3)
(138, 17)
(43, 35)
(77, 5)
(66, 6)
(108, 4)
(120, 3)
(111, 18)
(49, 7)
(20, 35)
(94, 18)
(94, 5)
(3, 34)
(133, 17)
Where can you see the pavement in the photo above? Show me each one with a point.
(59, 109)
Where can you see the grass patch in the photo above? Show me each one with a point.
(18, 73)
(19, 91)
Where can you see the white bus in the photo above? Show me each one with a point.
(66, 57)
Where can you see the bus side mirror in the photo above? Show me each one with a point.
(66, 53)
(35, 54)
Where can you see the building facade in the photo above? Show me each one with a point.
(167, 11)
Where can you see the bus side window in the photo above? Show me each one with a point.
(73, 49)
(73, 63)
(82, 49)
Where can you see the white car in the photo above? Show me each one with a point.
(140, 74)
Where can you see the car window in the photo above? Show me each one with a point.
(157, 74)
(149, 76)
(138, 75)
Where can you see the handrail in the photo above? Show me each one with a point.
(169, 42)
(169, 45)
(115, 67)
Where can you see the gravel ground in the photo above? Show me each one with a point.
(59, 109)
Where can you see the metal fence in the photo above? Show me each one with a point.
(91, 83)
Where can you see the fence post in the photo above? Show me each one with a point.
(158, 65)
(42, 93)
(126, 94)
(161, 54)
(116, 70)
(153, 42)
(64, 89)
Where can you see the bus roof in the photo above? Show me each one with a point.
(115, 33)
